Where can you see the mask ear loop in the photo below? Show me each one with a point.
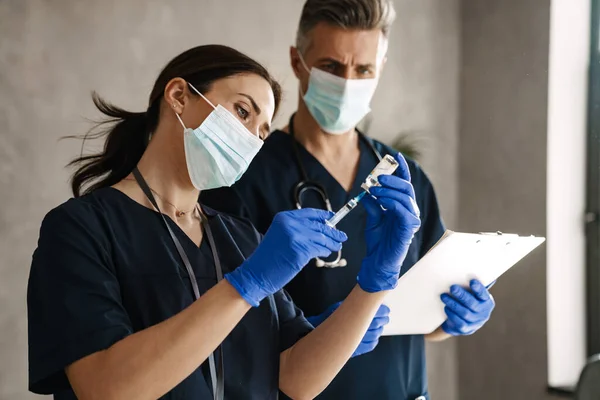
(201, 95)
(307, 70)
(180, 120)
(303, 62)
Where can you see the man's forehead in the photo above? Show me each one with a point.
(344, 45)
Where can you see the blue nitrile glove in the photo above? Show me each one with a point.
(293, 239)
(392, 220)
(371, 338)
(467, 311)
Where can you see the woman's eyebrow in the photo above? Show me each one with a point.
(254, 105)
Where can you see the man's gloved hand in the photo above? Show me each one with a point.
(371, 338)
(293, 239)
(317, 320)
(393, 217)
(467, 311)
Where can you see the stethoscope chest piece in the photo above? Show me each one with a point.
(338, 262)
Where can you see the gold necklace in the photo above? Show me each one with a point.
(178, 213)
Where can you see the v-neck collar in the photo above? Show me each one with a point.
(364, 161)
(176, 228)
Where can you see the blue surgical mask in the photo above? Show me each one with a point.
(337, 104)
(219, 151)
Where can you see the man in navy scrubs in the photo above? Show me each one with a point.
(320, 157)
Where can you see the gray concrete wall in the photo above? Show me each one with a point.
(53, 53)
(502, 186)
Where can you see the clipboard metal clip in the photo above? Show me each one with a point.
(498, 233)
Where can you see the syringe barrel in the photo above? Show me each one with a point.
(349, 206)
(333, 221)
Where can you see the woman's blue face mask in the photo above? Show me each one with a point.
(219, 151)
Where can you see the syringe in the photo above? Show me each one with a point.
(349, 206)
(386, 166)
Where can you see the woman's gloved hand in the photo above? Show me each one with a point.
(293, 239)
(393, 218)
(371, 338)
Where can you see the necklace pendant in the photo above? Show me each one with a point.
(179, 214)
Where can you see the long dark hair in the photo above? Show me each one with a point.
(128, 133)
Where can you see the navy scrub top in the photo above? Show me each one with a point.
(105, 267)
(396, 368)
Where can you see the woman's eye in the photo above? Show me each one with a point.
(242, 112)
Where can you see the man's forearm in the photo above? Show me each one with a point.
(312, 363)
(437, 336)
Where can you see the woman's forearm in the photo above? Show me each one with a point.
(312, 363)
(149, 363)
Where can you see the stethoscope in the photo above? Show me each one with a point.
(306, 185)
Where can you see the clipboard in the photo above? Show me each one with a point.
(415, 305)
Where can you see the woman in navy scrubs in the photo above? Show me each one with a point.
(138, 292)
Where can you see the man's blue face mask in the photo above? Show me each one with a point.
(337, 104)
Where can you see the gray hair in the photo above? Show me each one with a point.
(347, 14)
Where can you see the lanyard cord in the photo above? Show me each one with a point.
(216, 376)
